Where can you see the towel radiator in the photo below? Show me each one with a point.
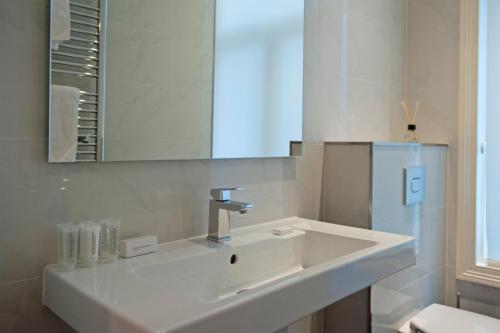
(79, 62)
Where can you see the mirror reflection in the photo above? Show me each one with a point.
(175, 79)
(258, 77)
(159, 63)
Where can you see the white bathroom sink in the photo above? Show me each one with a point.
(257, 282)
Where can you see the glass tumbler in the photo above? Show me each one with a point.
(68, 245)
(109, 240)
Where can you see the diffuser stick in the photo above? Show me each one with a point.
(407, 113)
(417, 106)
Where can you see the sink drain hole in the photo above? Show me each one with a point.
(234, 259)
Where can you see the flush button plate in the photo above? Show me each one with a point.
(414, 185)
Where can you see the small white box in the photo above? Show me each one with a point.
(138, 246)
(282, 231)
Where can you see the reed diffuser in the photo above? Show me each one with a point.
(411, 134)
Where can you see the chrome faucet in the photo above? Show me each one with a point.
(219, 208)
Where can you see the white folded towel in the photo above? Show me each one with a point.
(60, 25)
(63, 131)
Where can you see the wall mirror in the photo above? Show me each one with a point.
(175, 79)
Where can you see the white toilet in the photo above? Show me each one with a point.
(444, 319)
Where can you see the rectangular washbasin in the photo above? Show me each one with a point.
(263, 258)
(257, 282)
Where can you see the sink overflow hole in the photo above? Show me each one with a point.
(234, 259)
(242, 291)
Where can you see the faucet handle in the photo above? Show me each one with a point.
(224, 194)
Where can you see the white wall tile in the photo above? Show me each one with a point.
(355, 65)
(433, 52)
(424, 283)
(433, 58)
(428, 15)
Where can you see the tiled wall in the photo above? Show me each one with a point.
(433, 69)
(354, 78)
(354, 73)
(396, 298)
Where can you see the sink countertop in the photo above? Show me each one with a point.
(189, 286)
